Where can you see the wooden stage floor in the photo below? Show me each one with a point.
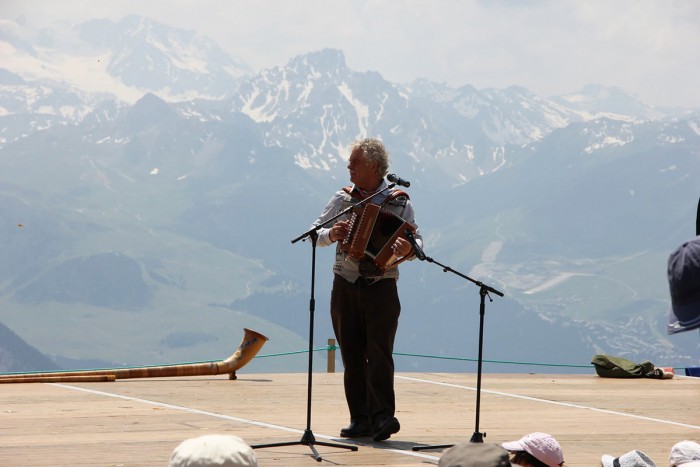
(138, 422)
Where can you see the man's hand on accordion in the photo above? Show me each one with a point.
(402, 247)
(339, 231)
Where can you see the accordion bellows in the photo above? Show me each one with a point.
(373, 230)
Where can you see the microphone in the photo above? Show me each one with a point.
(416, 249)
(398, 180)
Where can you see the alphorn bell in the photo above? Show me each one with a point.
(250, 345)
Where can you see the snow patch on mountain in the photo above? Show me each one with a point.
(361, 110)
(606, 133)
(695, 126)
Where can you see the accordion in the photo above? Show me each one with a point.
(373, 230)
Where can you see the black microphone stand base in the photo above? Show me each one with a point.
(308, 439)
(433, 446)
(477, 437)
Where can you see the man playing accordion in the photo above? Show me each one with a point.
(365, 305)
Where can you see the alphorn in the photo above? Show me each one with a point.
(250, 345)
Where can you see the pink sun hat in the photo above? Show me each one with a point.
(542, 446)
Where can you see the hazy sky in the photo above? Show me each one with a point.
(646, 47)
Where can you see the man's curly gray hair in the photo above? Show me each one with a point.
(374, 151)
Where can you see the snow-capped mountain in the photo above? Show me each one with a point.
(170, 179)
(596, 101)
(59, 76)
(123, 60)
(177, 64)
(476, 129)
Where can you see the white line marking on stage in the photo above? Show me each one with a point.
(546, 401)
(226, 417)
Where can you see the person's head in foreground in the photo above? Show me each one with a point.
(685, 453)
(475, 455)
(684, 287)
(535, 450)
(630, 459)
(213, 450)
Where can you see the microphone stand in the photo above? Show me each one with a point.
(308, 438)
(477, 436)
(697, 221)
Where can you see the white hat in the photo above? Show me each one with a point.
(684, 452)
(542, 446)
(213, 450)
(630, 459)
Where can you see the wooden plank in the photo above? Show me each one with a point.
(139, 422)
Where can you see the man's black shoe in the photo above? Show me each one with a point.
(386, 427)
(356, 429)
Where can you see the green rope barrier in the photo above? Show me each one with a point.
(493, 361)
(328, 347)
(438, 357)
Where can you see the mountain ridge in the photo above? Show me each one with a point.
(560, 203)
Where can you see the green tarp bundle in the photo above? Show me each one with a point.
(608, 366)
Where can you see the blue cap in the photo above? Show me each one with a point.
(684, 285)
